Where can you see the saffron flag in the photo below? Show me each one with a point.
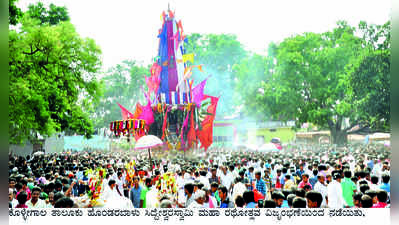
(138, 111)
(205, 135)
(198, 93)
(125, 113)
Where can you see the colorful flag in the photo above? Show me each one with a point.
(125, 113)
(138, 111)
(205, 135)
(147, 115)
(198, 93)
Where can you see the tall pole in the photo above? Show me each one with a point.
(149, 157)
(130, 147)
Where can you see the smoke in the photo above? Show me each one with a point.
(219, 84)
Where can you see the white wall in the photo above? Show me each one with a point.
(25, 150)
(54, 144)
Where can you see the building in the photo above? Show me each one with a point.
(241, 132)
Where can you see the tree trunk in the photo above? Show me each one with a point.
(339, 137)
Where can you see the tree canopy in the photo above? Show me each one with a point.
(368, 78)
(51, 15)
(14, 13)
(121, 84)
(317, 79)
(52, 80)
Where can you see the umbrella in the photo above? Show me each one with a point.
(148, 142)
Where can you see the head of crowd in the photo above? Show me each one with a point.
(299, 176)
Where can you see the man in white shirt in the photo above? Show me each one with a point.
(219, 170)
(11, 199)
(119, 184)
(226, 179)
(187, 176)
(51, 202)
(235, 171)
(377, 169)
(334, 192)
(204, 180)
(322, 189)
(151, 198)
(112, 199)
(35, 202)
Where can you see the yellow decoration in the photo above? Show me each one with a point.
(188, 57)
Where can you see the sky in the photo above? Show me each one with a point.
(127, 29)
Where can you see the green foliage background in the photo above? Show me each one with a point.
(327, 79)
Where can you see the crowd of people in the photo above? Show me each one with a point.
(299, 176)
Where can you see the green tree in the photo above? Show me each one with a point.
(14, 13)
(52, 80)
(52, 15)
(250, 73)
(122, 84)
(369, 78)
(308, 84)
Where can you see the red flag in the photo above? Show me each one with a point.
(206, 134)
(125, 113)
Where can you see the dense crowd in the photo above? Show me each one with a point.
(299, 176)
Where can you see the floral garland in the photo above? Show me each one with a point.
(95, 184)
(130, 171)
(166, 184)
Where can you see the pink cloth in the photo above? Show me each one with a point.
(303, 184)
(198, 93)
(147, 115)
(380, 205)
(211, 203)
(27, 192)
